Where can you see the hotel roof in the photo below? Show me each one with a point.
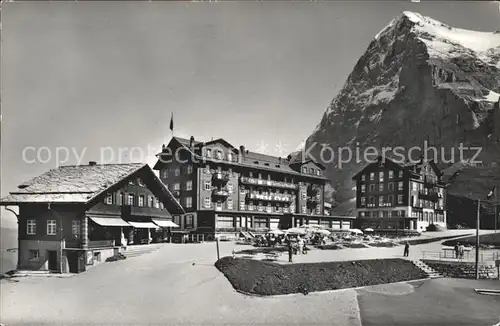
(79, 184)
(250, 159)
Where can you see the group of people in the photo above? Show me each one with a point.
(269, 240)
(296, 247)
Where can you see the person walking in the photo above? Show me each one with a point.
(407, 249)
(461, 250)
(456, 248)
(290, 252)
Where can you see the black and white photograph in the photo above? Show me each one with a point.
(263, 163)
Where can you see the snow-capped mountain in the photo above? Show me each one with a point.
(419, 80)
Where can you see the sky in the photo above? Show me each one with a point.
(100, 80)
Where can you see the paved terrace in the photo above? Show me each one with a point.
(178, 285)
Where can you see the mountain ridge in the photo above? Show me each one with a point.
(419, 81)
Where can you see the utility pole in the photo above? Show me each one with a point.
(477, 237)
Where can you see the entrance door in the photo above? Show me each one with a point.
(72, 261)
(52, 260)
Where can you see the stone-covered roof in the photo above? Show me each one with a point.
(77, 184)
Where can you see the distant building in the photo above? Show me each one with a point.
(74, 217)
(327, 209)
(394, 196)
(225, 189)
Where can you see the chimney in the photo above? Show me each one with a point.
(191, 142)
(92, 163)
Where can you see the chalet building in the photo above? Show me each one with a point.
(395, 196)
(225, 189)
(74, 217)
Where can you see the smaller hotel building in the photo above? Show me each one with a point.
(74, 217)
(394, 196)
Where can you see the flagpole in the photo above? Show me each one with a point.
(477, 237)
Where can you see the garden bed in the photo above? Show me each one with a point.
(485, 240)
(354, 245)
(266, 278)
(383, 244)
(329, 247)
(429, 240)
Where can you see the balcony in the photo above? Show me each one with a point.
(272, 197)
(219, 177)
(220, 193)
(77, 244)
(431, 196)
(269, 183)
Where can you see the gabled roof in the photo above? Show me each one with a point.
(220, 140)
(80, 184)
(249, 159)
(386, 160)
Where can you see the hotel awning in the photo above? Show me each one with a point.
(143, 225)
(108, 221)
(164, 223)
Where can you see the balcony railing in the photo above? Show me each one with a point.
(431, 196)
(272, 197)
(92, 244)
(220, 193)
(269, 183)
(220, 177)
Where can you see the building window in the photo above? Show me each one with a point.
(363, 201)
(363, 188)
(400, 185)
(391, 200)
(189, 185)
(381, 187)
(218, 206)
(31, 227)
(208, 186)
(177, 186)
(380, 200)
(400, 199)
(318, 209)
(206, 202)
(260, 222)
(141, 201)
(109, 199)
(225, 222)
(390, 185)
(75, 228)
(400, 174)
(363, 177)
(121, 199)
(381, 176)
(209, 152)
(130, 199)
(34, 254)
(391, 174)
(188, 221)
(164, 173)
(229, 156)
(151, 201)
(304, 194)
(189, 169)
(51, 227)
(230, 188)
(380, 214)
(304, 209)
(188, 202)
(177, 172)
(318, 172)
(229, 203)
(372, 187)
(160, 203)
(414, 186)
(304, 169)
(372, 176)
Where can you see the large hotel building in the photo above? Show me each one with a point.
(400, 196)
(225, 189)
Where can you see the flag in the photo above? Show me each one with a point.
(172, 122)
(491, 193)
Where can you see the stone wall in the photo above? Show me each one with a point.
(462, 269)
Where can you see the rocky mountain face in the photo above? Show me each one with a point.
(420, 81)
